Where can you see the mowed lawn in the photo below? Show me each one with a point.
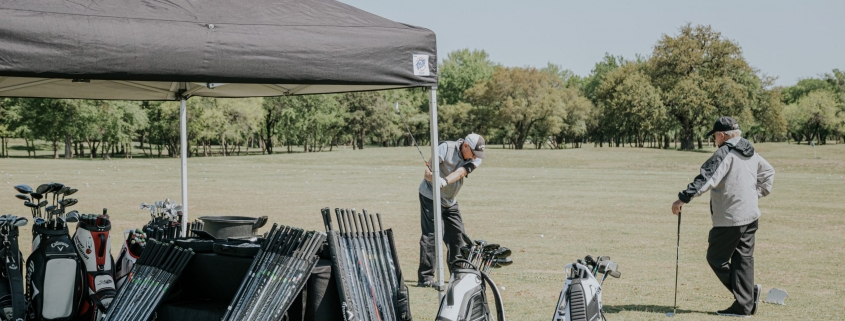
(550, 206)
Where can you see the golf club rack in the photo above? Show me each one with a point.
(466, 295)
(580, 298)
(365, 263)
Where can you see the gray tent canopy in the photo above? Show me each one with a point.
(176, 49)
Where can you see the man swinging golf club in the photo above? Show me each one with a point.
(736, 177)
(457, 160)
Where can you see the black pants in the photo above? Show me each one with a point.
(731, 256)
(453, 227)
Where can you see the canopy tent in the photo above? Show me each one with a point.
(176, 49)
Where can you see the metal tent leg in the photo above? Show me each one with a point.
(183, 132)
(435, 169)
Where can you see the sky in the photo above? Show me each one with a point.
(786, 39)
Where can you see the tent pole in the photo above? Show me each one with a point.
(183, 132)
(435, 170)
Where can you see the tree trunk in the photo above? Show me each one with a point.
(55, 148)
(687, 137)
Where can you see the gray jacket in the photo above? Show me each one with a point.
(736, 177)
(449, 153)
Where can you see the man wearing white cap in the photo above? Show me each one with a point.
(457, 160)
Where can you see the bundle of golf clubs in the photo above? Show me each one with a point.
(364, 260)
(166, 222)
(485, 256)
(155, 271)
(277, 274)
(44, 213)
(601, 265)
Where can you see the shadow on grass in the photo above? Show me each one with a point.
(648, 308)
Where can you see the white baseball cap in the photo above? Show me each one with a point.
(476, 143)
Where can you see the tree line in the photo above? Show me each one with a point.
(666, 99)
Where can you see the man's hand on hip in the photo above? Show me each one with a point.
(676, 206)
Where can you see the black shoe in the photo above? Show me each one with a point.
(425, 284)
(758, 289)
(733, 311)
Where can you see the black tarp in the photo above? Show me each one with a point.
(149, 50)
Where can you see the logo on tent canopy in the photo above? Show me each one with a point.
(421, 65)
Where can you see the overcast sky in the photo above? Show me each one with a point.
(787, 39)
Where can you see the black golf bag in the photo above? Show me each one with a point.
(580, 299)
(12, 299)
(53, 276)
(466, 297)
(94, 249)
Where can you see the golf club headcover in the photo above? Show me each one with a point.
(53, 276)
(92, 244)
(12, 299)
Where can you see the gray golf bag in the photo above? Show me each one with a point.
(94, 248)
(12, 299)
(580, 299)
(53, 276)
(466, 297)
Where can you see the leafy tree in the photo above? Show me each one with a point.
(629, 105)
(702, 75)
(461, 70)
(813, 117)
(522, 98)
(365, 111)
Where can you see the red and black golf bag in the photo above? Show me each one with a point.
(53, 276)
(92, 244)
(129, 254)
(12, 299)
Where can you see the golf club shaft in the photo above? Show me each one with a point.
(677, 259)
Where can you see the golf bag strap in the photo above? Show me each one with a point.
(13, 267)
(500, 308)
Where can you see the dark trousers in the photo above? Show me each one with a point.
(453, 228)
(731, 256)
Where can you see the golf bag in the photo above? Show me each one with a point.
(53, 276)
(129, 254)
(580, 299)
(466, 297)
(12, 299)
(94, 249)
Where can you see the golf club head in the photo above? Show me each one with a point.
(166, 203)
(20, 221)
(36, 196)
(502, 252)
(64, 190)
(44, 188)
(56, 187)
(42, 203)
(39, 221)
(30, 204)
(616, 274)
(71, 191)
(144, 206)
(23, 189)
(502, 262)
(50, 208)
(607, 266)
(70, 202)
(480, 242)
(56, 211)
(23, 197)
(491, 247)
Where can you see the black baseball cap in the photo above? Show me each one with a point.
(723, 124)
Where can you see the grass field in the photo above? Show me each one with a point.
(550, 206)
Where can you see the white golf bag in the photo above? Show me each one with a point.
(94, 248)
(580, 299)
(466, 297)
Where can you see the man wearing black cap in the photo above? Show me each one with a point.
(736, 177)
(457, 160)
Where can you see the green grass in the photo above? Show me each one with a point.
(550, 206)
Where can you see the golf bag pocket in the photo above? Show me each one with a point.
(92, 244)
(125, 261)
(12, 299)
(53, 278)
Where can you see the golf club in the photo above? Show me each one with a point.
(677, 258)
(23, 189)
(411, 134)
